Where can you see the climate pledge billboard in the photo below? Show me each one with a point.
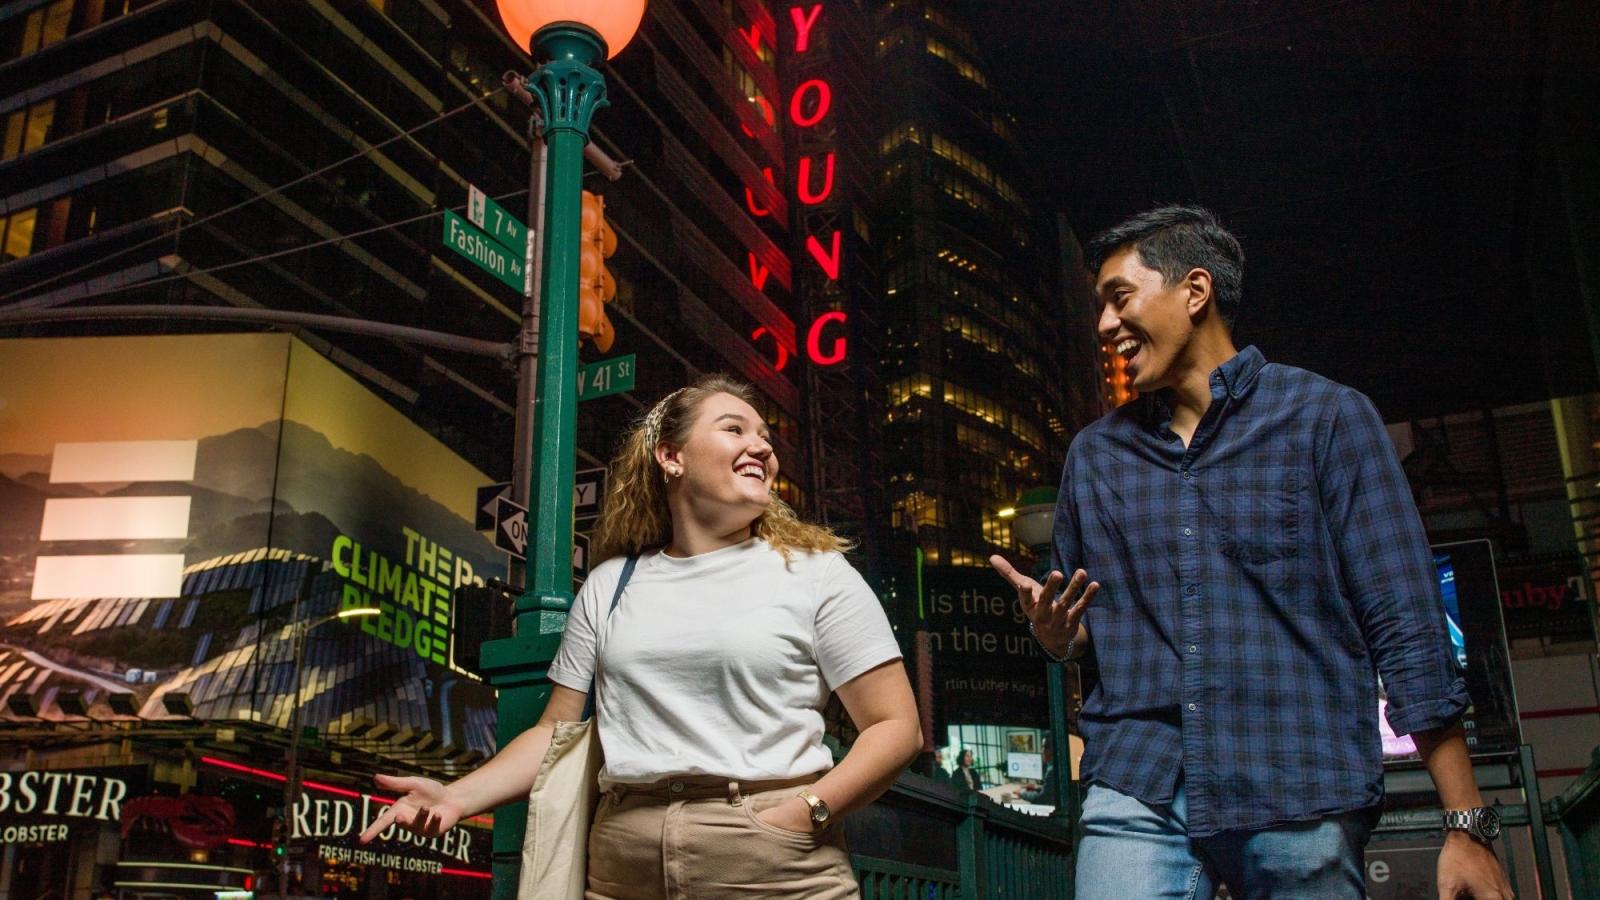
(174, 510)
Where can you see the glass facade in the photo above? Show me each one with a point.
(981, 317)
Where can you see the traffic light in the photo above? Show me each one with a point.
(596, 287)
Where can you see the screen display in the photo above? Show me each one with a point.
(1470, 596)
(1025, 765)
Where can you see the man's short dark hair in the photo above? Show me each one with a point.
(1175, 239)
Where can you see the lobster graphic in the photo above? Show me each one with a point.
(195, 821)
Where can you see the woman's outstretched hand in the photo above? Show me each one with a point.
(425, 808)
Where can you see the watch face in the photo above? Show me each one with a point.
(1487, 823)
(820, 813)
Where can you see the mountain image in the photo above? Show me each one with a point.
(368, 503)
(323, 491)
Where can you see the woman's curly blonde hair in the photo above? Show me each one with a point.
(635, 517)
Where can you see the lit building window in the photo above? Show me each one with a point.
(904, 132)
(45, 26)
(27, 129)
(960, 63)
(972, 331)
(918, 509)
(962, 557)
(957, 260)
(976, 167)
(974, 403)
(16, 233)
(900, 392)
(955, 31)
(995, 529)
(1118, 387)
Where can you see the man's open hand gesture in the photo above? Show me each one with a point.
(1053, 612)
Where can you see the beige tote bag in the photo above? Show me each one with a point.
(561, 804)
(555, 850)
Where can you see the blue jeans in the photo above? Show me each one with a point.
(1133, 850)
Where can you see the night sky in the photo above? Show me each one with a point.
(1390, 168)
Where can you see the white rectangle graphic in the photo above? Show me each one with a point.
(153, 575)
(124, 461)
(115, 518)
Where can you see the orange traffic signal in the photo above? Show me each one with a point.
(596, 286)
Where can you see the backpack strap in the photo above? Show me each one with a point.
(622, 582)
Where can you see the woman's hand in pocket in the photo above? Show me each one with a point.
(792, 814)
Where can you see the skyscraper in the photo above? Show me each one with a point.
(983, 315)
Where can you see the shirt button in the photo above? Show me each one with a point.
(1190, 589)
(1187, 532)
(1192, 707)
(677, 786)
(1189, 475)
(1193, 648)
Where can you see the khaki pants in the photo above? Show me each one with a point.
(697, 838)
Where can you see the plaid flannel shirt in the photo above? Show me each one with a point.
(1254, 585)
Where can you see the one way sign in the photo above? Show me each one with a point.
(511, 528)
(511, 535)
(488, 497)
(588, 487)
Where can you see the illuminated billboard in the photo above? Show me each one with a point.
(176, 510)
(1470, 595)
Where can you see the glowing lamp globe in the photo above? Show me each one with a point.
(614, 20)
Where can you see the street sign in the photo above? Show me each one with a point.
(487, 253)
(487, 495)
(511, 535)
(493, 218)
(608, 376)
(580, 556)
(588, 486)
(511, 528)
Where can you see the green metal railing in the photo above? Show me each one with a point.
(885, 879)
(1577, 812)
(991, 852)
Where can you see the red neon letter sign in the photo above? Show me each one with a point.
(751, 37)
(803, 183)
(766, 113)
(783, 355)
(802, 26)
(758, 272)
(828, 261)
(750, 196)
(824, 100)
(814, 340)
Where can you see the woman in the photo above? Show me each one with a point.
(736, 623)
(964, 775)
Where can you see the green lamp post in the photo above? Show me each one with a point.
(1034, 525)
(569, 36)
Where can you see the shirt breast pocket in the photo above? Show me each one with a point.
(1258, 515)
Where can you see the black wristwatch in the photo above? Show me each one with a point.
(1482, 823)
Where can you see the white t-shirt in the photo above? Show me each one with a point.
(720, 664)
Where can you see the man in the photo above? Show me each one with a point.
(1043, 794)
(1259, 562)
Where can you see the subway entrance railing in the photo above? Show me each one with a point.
(927, 840)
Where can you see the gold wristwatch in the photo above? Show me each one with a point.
(820, 812)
